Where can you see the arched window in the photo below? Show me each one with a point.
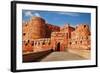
(43, 43)
(32, 43)
(25, 24)
(86, 37)
(84, 26)
(35, 43)
(24, 34)
(28, 41)
(75, 42)
(38, 43)
(81, 42)
(26, 44)
(70, 43)
(49, 43)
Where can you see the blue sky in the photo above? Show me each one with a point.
(58, 18)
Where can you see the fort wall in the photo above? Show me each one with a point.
(40, 36)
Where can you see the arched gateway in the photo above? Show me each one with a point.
(57, 47)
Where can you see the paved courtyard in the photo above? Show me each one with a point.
(62, 56)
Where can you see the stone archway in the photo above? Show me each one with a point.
(58, 46)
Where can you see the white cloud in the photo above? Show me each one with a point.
(37, 14)
(69, 13)
(28, 13)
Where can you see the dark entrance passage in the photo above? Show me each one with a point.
(58, 47)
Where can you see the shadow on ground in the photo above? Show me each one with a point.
(36, 57)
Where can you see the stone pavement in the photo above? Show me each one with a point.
(84, 53)
(62, 56)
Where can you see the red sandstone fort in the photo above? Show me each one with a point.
(40, 36)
